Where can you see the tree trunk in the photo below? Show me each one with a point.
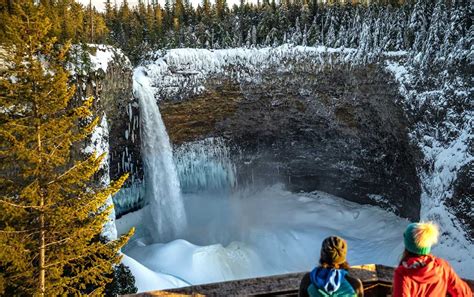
(42, 241)
(10, 6)
(42, 283)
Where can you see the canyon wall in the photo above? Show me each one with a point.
(308, 118)
(338, 130)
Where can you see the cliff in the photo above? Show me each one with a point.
(312, 119)
(299, 116)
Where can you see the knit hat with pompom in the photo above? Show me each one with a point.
(419, 237)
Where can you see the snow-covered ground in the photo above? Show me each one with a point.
(265, 232)
(178, 72)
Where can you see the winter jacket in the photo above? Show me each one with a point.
(428, 276)
(330, 282)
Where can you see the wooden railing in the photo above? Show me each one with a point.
(377, 280)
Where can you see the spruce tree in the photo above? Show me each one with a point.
(51, 211)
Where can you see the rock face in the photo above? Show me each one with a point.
(462, 201)
(306, 118)
(111, 86)
(339, 130)
(106, 74)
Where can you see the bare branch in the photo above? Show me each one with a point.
(20, 206)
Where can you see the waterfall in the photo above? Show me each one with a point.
(166, 218)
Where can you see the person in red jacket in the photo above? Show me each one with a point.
(422, 274)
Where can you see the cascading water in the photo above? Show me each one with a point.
(166, 217)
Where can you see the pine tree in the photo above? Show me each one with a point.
(297, 36)
(254, 35)
(158, 23)
(435, 33)
(313, 33)
(418, 25)
(51, 211)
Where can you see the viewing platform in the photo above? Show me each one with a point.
(377, 280)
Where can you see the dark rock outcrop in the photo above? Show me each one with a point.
(112, 90)
(462, 200)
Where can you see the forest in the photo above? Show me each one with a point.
(440, 29)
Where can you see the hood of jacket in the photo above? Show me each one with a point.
(327, 279)
(423, 269)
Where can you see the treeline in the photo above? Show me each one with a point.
(423, 25)
(439, 28)
(69, 20)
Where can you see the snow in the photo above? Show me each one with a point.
(98, 57)
(99, 144)
(148, 280)
(395, 53)
(104, 55)
(176, 71)
(445, 156)
(265, 232)
(399, 71)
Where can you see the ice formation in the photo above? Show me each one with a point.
(205, 165)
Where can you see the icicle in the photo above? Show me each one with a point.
(205, 165)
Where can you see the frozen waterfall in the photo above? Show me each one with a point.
(166, 217)
(205, 165)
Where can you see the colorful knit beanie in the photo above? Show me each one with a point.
(334, 250)
(419, 237)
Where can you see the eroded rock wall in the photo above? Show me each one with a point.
(106, 74)
(339, 130)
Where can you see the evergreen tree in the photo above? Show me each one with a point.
(313, 33)
(254, 35)
(436, 30)
(168, 16)
(123, 282)
(418, 25)
(51, 211)
(158, 23)
(297, 36)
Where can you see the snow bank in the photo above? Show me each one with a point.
(178, 72)
(148, 280)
